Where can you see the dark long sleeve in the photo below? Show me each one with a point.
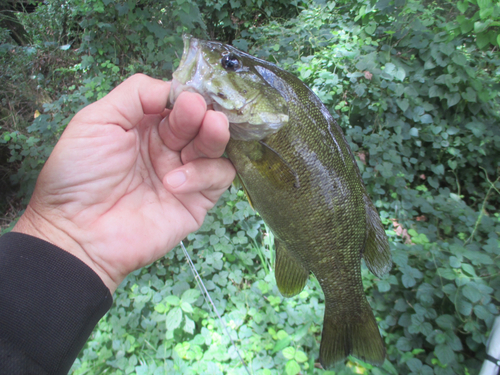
(50, 302)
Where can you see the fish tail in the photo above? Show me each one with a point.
(354, 334)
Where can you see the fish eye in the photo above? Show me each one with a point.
(230, 62)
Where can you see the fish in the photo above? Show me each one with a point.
(301, 176)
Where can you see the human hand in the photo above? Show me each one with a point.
(128, 179)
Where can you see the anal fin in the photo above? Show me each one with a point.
(291, 275)
(377, 254)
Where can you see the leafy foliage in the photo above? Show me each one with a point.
(415, 86)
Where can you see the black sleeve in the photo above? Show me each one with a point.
(50, 302)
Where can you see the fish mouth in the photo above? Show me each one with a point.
(185, 77)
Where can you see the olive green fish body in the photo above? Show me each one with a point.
(301, 176)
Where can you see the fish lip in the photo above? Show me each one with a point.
(181, 74)
(189, 53)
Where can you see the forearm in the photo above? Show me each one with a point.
(50, 301)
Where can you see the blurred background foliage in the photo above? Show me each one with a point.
(415, 86)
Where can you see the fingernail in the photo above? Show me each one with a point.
(176, 179)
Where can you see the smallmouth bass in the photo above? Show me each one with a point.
(301, 176)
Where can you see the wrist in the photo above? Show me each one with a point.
(37, 225)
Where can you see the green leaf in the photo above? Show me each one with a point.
(447, 273)
(484, 4)
(452, 98)
(463, 5)
(446, 321)
(426, 119)
(459, 58)
(435, 91)
(371, 27)
(300, 356)
(186, 307)
(464, 307)
(482, 40)
(401, 74)
(174, 318)
(408, 281)
(292, 367)
(479, 26)
(403, 104)
(289, 353)
(189, 325)
(454, 261)
(469, 269)
(444, 353)
(160, 308)
(482, 313)
(281, 344)
(190, 296)
(383, 286)
(471, 293)
(403, 344)
(469, 95)
(360, 89)
(173, 300)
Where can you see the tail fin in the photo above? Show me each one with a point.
(353, 335)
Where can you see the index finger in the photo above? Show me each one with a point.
(127, 104)
(184, 122)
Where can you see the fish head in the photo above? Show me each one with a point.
(231, 81)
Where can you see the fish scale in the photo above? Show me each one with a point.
(301, 176)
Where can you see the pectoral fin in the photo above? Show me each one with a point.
(291, 275)
(377, 253)
(270, 164)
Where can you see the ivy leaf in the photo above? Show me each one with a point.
(462, 6)
(408, 281)
(403, 104)
(401, 74)
(435, 91)
(452, 98)
(426, 119)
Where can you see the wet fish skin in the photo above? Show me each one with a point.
(302, 178)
